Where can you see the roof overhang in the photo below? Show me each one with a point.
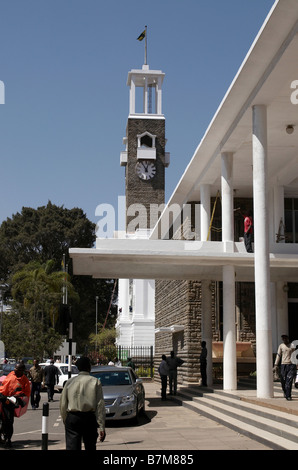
(175, 259)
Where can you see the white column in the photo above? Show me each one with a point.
(229, 312)
(206, 322)
(132, 97)
(158, 96)
(229, 330)
(206, 327)
(227, 202)
(124, 299)
(205, 211)
(123, 324)
(261, 250)
(146, 96)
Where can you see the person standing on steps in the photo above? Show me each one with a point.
(173, 363)
(287, 368)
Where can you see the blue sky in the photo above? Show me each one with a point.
(64, 65)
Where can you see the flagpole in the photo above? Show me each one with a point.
(145, 45)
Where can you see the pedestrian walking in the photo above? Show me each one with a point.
(82, 409)
(173, 363)
(287, 368)
(36, 375)
(14, 392)
(163, 370)
(51, 375)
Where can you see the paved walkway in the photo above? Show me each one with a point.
(167, 426)
(171, 427)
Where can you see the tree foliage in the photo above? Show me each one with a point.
(105, 337)
(36, 296)
(23, 336)
(39, 289)
(103, 345)
(43, 236)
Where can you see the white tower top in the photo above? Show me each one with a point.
(148, 103)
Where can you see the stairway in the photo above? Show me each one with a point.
(276, 427)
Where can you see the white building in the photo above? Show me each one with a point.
(250, 149)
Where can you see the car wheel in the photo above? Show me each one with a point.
(136, 419)
(143, 410)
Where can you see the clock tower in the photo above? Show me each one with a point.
(145, 161)
(145, 158)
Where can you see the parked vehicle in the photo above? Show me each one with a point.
(5, 370)
(63, 373)
(123, 391)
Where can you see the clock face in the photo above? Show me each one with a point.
(145, 170)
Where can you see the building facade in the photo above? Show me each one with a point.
(247, 156)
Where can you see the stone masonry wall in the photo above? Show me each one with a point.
(178, 303)
(139, 191)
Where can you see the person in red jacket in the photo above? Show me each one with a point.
(248, 231)
(13, 391)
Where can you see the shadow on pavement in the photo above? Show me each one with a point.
(28, 444)
(157, 402)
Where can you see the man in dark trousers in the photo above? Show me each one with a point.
(36, 375)
(163, 370)
(288, 369)
(82, 409)
(51, 375)
(173, 363)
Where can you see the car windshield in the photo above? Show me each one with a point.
(64, 370)
(113, 377)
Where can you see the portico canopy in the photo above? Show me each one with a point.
(174, 259)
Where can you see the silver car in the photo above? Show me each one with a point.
(123, 391)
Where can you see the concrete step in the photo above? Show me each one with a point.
(276, 429)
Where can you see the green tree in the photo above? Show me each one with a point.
(42, 234)
(47, 233)
(103, 344)
(23, 336)
(36, 293)
(38, 289)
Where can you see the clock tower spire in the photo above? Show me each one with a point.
(145, 160)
